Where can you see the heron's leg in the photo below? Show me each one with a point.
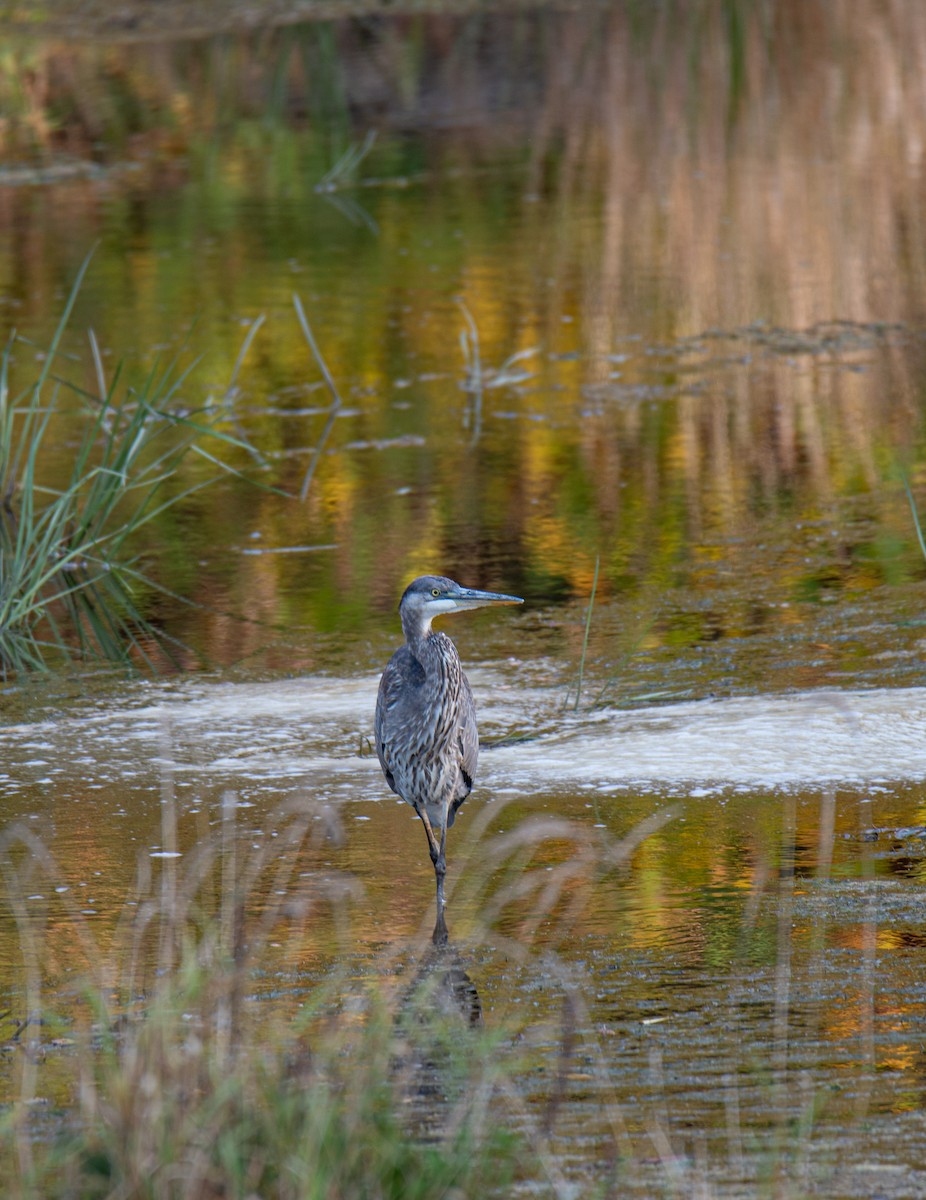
(440, 935)
(438, 858)
(440, 867)
(433, 847)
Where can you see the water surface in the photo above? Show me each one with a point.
(689, 250)
(788, 833)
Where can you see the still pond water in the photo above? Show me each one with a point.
(690, 262)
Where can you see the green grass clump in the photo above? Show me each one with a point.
(167, 1108)
(306, 1114)
(69, 578)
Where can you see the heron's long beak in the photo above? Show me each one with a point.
(471, 598)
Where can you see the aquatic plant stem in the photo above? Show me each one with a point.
(242, 354)
(342, 173)
(336, 401)
(916, 516)
(588, 625)
(469, 344)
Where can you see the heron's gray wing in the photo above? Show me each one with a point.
(469, 747)
(402, 674)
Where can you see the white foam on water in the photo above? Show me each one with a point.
(300, 731)
(758, 741)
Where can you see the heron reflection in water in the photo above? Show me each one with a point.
(425, 724)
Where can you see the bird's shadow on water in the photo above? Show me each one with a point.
(437, 1015)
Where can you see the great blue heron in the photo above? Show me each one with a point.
(425, 724)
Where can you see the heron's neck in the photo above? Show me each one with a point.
(418, 633)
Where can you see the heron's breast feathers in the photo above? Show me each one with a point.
(425, 726)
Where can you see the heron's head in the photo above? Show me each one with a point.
(430, 596)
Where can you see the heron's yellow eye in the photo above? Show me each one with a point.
(435, 591)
